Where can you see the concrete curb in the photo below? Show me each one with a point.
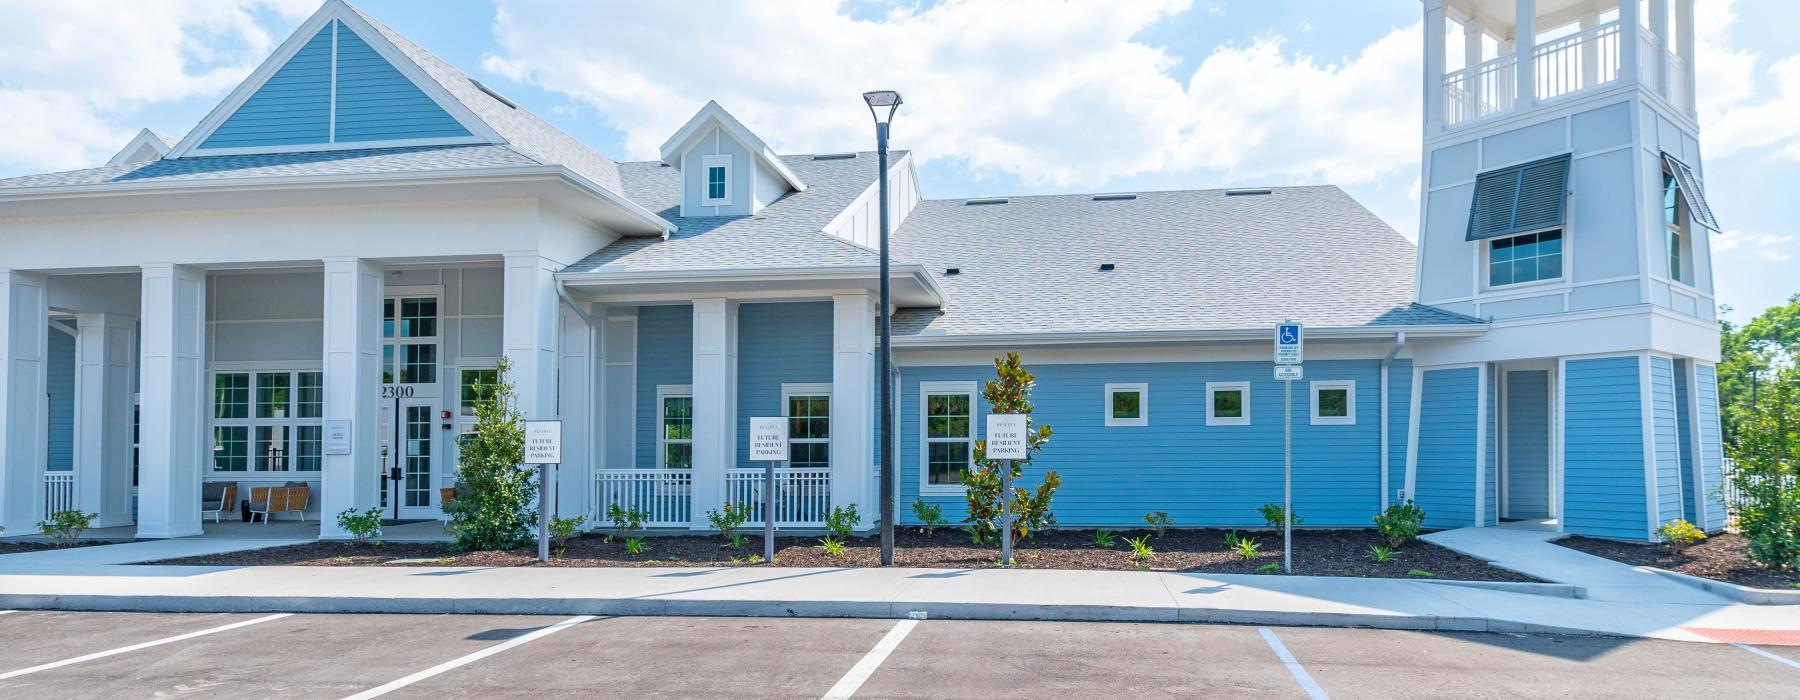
(1553, 590)
(1741, 594)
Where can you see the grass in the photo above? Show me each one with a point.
(1421, 573)
(1269, 568)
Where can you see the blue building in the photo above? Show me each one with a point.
(312, 285)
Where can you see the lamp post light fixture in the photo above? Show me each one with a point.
(889, 101)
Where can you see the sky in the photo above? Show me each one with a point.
(1013, 97)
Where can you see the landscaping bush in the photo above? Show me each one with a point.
(1766, 458)
(625, 522)
(493, 508)
(364, 527)
(1272, 513)
(1400, 523)
(1678, 534)
(841, 522)
(929, 514)
(562, 529)
(728, 519)
(1159, 522)
(66, 526)
(1009, 392)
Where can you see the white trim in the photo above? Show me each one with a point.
(331, 119)
(669, 391)
(1501, 430)
(145, 138)
(926, 390)
(1349, 385)
(1647, 425)
(713, 113)
(789, 391)
(1695, 444)
(707, 164)
(339, 146)
(1412, 432)
(1481, 424)
(1106, 409)
(1215, 387)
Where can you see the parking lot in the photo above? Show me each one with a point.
(47, 654)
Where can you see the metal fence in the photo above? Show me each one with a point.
(1734, 497)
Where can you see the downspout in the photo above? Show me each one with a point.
(563, 293)
(1399, 342)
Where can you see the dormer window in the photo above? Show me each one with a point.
(715, 173)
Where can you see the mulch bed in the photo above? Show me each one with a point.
(1316, 552)
(1721, 557)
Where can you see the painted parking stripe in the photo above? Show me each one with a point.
(452, 664)
(1293, 665)
(7, 612)
(1772, 657)
(860, 673)
(143, 645)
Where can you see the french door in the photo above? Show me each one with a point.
(411, 406)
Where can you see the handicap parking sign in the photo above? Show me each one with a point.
(1288, 340)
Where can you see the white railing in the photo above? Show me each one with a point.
(1678, 83)
(1577, 62)
(59, 492)
(664, 496)
(802, 496)
(1479, 90)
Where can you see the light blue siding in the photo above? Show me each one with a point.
(1684, 439)
(1528, 444)
(1200, 475)
(1445, 473)
(292, 108)
(1712, 455)
(60, 384)
(1603, 449)
(778, 343)
(1399, 409)
(375, 102)
(1668, 444)
(665, 355)
(1490, 467)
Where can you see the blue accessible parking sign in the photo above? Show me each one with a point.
(1288, 339)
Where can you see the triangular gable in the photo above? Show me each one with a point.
(714, 115)
(146, 146)
(337, 83)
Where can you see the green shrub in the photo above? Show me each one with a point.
(1400, 523)
(364, 527)
(625, 521)
(1678, 534)
(1766, 459)
(1159, 522)
(636, 545)
(1141, 550)
(1231, 539)
(929, 514)
(1104, 539)
(563, 529)
(66, 526)
(834, 547)
(842, 522)
(1247, 548)
(1272, 514)
(1009, 392)
(1269, 568)
(493, 508)
(1380, 554)
(728, 519)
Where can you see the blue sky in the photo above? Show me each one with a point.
(1003, 97)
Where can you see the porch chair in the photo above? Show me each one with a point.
(291, 497)
(218, 497)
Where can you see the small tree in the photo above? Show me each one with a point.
(1009, 392)
(1766, 458)
(493, 508)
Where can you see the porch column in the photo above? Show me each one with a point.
(1525, 51)
(578, 407)
(1591, 53)
(715, 374)
(103, 349)
(530, 330)
(349, 479)
(24, 446)
(172, 440)
(1434, 68)
(853, 403)
(1629, 43)
(1659, 28)
(1684, 48)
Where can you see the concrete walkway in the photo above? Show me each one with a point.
(1532, 553)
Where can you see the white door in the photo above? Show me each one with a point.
(411, 404)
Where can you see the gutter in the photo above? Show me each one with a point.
(734, 274)
(1399, 342)
(1246, 335)
(563, 293)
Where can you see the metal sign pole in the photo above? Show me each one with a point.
(1287, 477)
(543, 512)
(769, 512)
(1006, 515)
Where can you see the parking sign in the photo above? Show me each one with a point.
(1288, 339)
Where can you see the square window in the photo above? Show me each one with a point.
(418, 364)
(231, 448)
(1227, 403)
(477, 386)
(231, 395)
(310, 401)
(1334, 402)
(272, 395)
(271, 453)
(1127, 405)
(716, 174)
(308, 444)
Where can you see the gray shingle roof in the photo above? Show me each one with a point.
(318, 163)
(1190, 260)
(786, 233)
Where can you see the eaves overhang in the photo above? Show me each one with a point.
(910, 285)
(1235, 336)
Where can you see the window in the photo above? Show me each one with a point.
(1127, 405)
(808, 408)
(1334, 402)
(409, 351)
(1693, 198)
(1532, 257)
(717, 173)
(1675, 224)
(947, 434)
(477, 385)
(268, 421)
(675, 427)
(1228, 403)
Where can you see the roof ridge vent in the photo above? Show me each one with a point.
(1248, 191)
(984, 200)
(833, 156)
(1115, 196)
(493, 93)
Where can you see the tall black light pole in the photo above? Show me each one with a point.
(891, 101)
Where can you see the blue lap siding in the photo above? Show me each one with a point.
(1445, 475)
(59, 374)
(1668, 442)
(1603, 449)
(1400, 378)
(1711, 456)
(778, 343)
(293, 107)
(375, 102)
(665, 355)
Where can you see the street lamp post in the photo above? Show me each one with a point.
(890, 100)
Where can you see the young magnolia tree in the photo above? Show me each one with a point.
(1766, 458)
(1009, 392)
(493, 508)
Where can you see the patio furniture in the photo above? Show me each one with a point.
(216, 497)
(291, 497)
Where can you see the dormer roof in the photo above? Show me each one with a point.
(147, 145)
(713, 115)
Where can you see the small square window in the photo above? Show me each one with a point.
(1228, 403)
(715, 172)
(1334, 402)
(1127, 405)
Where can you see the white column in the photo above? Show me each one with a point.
(1471, 42)
(1629, 44)
(1591, 52)
(1434, 66)
(530, 331)
(1684, 47)
(24, 439)
(1525, 48)
(103, 350)
(715, 434)
(1659, 28)
(172, 439)
(352, 354)
(577, 392)
(619, 391)
(853, 403)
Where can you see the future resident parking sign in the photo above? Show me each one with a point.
(1006, 436)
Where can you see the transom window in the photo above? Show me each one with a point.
(1127, 405)
(409, 328)
(947, 434)
(717, 171)
(1228, 403)
(267, 421)
(809, 427)
(675, 427)
(1528, 258)
(1334, 402)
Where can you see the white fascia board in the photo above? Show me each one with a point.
(1185, 336)
(773, 274)
(713, 113)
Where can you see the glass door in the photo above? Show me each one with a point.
(410, 404)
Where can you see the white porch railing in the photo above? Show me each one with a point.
(1678, 83)
(1479, 90)
(802, 496)
(59, 492)
(1577, 62)
(665, 496)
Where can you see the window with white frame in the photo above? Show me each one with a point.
(715, 173)
(1127, 405)
(1228, 403)
(1675, 225)
(808, 410)
(477, 385)
(1531, 257)
(946, 435)
(1334, 402)
(674, 427)
(410, 340)
(268, 421)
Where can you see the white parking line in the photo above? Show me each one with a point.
(1293, 665)
(135, 647)
(860, 673)
(392, 686)
(1769, 656)
(7, 612)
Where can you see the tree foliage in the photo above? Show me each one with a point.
(494, 504)
(1750, 356)
(1010, 392)
(1766, 458)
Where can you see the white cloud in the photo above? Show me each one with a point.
(1768, 246)
(1060, 94)
(72, 71)
(1734, 115)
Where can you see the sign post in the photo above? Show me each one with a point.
(769, 444)
(543, 447)
(1289, 337)
(1006, 441)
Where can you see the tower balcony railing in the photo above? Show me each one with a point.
(1570, 65)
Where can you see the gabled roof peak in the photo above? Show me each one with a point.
(715, 115)
(147, 145)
